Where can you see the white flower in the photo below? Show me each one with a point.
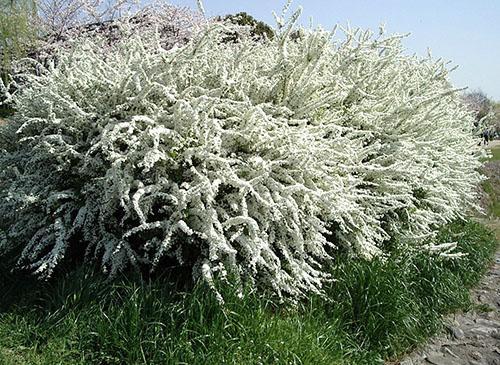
(239, 159)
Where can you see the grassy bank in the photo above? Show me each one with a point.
(495, 154)
(492, 185)
(375, 310)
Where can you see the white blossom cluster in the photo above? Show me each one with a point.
(250, 160)
(173, 25)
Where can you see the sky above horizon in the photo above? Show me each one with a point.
(465, 32)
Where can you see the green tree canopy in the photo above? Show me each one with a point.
(259, 29)
(17, 31)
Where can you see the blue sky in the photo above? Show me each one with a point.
(465, 32)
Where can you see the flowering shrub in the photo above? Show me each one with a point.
(254, 160)
(173, 24)
(62, 24)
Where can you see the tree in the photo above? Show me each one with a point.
(17, 31)
(487, 119)
(479, 103)
(59, 15)
(496, 116)
(259, 29)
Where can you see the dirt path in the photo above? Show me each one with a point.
(471, 338)
(494, 144)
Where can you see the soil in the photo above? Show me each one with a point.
(471, 338)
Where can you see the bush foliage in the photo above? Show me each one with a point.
(253, 160)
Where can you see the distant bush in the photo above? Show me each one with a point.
(254, 161)
(17, 33)
(483, 110)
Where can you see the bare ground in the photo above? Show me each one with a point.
(471, 338)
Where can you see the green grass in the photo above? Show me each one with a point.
(374, 310)
(492, 185)
(494, 199)
(495, 154)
